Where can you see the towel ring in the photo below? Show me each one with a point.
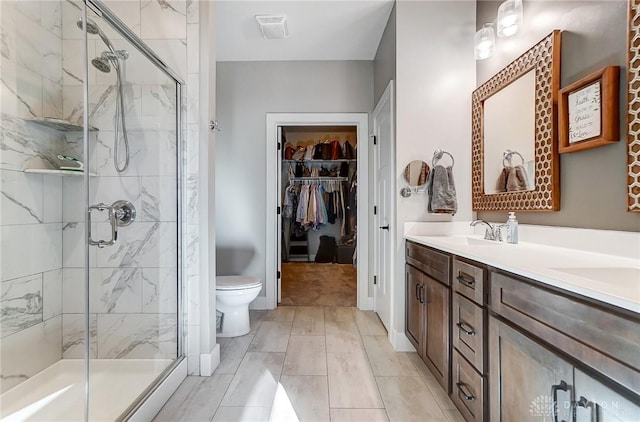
(508, 155)
(437, 155)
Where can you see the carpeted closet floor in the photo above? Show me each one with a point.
(311, 284)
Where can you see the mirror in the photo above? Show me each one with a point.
(416, 173)
(514, 134)
(509, 137)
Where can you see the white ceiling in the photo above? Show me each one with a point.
(318, 29)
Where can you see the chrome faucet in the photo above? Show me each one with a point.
(491, 232)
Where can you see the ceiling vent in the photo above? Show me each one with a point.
(273, 27)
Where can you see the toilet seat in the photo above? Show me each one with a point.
(236, 282)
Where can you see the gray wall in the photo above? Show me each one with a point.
(384, 64)
(246, 92)
(593, 182)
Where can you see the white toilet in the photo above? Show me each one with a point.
(233, 296)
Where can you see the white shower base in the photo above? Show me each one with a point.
(57, 393)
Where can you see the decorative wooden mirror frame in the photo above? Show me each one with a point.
(544, 58)
(633, 115)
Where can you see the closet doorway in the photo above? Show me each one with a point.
(317, 167)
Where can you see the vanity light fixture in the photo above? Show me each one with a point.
(484, 42)
(509, 18)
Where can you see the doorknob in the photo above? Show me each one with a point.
(385, 227)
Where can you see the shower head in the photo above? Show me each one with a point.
(102, 64)
(92, 27)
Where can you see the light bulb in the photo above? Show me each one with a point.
(484, 42)
(509, 18)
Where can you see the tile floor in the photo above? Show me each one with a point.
(312, 364)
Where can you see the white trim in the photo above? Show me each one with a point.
(209, 361)
(152, 405)
(361, 121)
(400, 342)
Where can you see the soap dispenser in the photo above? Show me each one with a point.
(512, 228)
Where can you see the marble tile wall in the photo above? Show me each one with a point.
(133, 295)
(30, 204)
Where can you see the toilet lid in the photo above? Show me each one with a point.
(237, 282)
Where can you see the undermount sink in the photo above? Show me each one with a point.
(469, 241)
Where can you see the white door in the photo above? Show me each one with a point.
(383, 220)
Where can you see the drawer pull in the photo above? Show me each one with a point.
(466, 329)
(583, 402)
(465, 281)
(554, 393)
(468, 396)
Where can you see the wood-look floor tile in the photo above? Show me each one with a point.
(255, 318)
(384, 360)
(256, 381)
(281, 313)
(407, 399)
(359, 415)
(272, 336)
(242, 414)
(308, 321)
(196, 399)
(309, 396)
(351, 382)
(436, 389)
(343, 337)
(306, 355)
(232, 350)
(368, 323)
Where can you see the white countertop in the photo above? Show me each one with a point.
(612, 279)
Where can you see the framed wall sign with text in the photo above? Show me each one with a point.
(588, 111)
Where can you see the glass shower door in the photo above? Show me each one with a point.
(133, 240)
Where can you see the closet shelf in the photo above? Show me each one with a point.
(319, 161)
(321, 179)
(60, 125)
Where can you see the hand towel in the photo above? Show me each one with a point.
(442, 191)
(501, 184)
(517, 179)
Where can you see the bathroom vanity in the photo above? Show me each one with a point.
(528, 331)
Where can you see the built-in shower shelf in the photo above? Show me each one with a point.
(60, 124)
(56, 172)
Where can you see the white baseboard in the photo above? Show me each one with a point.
(259, 303)
(150, 408)
(366, 304)
(400, 342)
(209, 361)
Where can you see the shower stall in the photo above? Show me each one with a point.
(91, 166)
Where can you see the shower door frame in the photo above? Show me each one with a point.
(103, 11)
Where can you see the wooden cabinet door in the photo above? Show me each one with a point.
(437, 352)
(414, 308)
(597, 402)
(521, 376)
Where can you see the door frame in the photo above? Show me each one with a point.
(273, 162)
(387, 95)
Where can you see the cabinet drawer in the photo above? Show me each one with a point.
(603, 338)
(468, 393)
(433, 263)
(468, 280)
(469, 330)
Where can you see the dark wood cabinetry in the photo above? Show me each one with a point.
(428, 309)
(507, 348)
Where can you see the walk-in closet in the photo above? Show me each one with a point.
(319, 215)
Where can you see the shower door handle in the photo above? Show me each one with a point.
(112, 220)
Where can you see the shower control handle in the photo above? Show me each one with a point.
(121, 213)
(112, 220)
